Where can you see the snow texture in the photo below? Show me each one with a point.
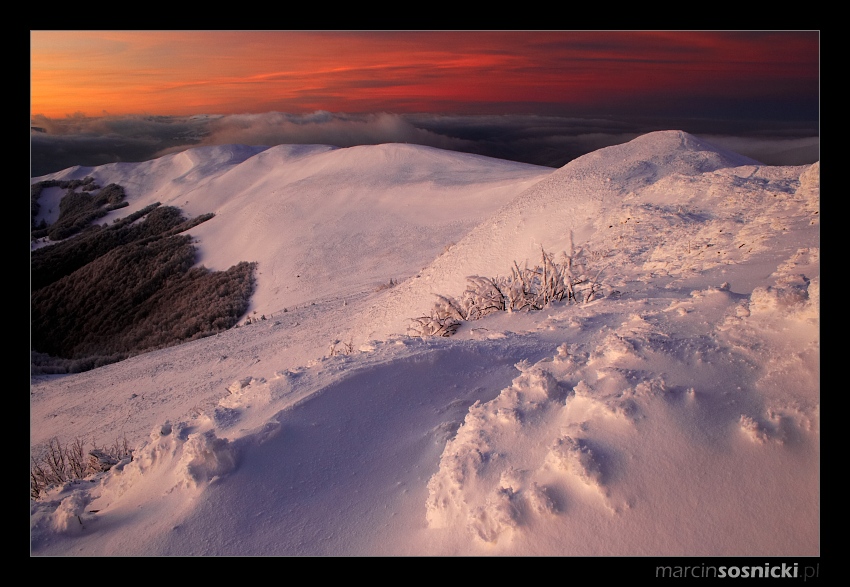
(675, 414)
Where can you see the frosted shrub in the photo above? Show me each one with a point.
(444, 320)
(62, 463)
(482, 297)
(524, 289)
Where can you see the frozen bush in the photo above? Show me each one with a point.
(524, 289)
(62, 463)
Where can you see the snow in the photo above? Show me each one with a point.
(677, 414)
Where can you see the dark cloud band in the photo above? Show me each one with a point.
(553, 141)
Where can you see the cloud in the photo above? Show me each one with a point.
(341, 130)
(775, 150)
(552, 141)
(57, 144)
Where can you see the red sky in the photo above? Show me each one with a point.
(222, 72)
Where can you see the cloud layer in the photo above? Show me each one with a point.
(553, 141)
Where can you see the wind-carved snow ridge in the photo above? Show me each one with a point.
(779, 323)
(576, 458)
(794, 294)
(509, 460)
(173, 460)
(191, 458)
(527, 453)
(66, 518)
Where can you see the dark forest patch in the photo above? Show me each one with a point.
(113, 291)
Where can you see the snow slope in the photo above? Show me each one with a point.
(677, 414)
(318, 218)
(559, 213)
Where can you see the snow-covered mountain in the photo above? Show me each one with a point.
(676, 412)
(318, 218)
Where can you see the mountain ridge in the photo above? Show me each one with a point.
(586, 428)
(562, 207)
(304, 185)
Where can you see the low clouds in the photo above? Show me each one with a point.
(57, 144)
(324, 128)
(553, 141)
(775, 150)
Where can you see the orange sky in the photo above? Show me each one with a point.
(222, 72)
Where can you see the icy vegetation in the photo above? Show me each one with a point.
(633, 367)
(525, 289)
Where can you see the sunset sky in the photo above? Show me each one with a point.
(762, 78)
(221, 72)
